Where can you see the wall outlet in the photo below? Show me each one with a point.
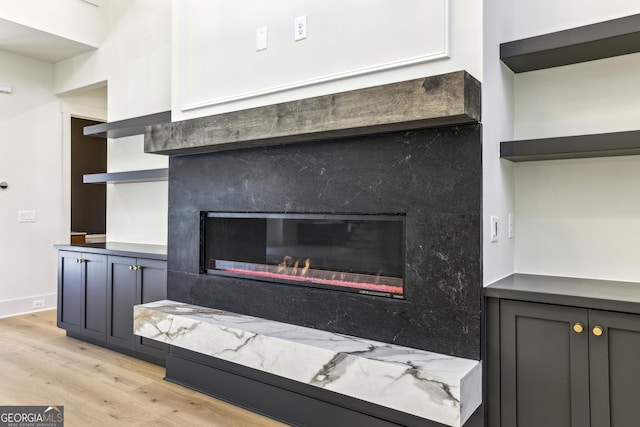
(300, 28)
(26, 216)
(261, 38)
(38, 303)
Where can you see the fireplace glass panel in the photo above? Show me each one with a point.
(356, 253)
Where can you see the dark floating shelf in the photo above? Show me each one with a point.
(128, 127)
(572, 147)
(148, 175)
(597, 41)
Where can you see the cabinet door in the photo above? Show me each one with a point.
(544, 365)
(152, 286)
(69, 291)
(615, 369)
(94, 297)
(121, 298)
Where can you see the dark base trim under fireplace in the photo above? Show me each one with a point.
(331, 256)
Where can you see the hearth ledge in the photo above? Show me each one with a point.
(433, 386)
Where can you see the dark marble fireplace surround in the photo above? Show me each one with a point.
(431, 175)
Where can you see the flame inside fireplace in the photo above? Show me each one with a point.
(356, 253)
(301, 271)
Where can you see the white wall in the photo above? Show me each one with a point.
(72, 19)
(31, 163)
(535, 17)
(135, 60)
(577, 217)
(214, 58)
(137, 212)
(591, 97)
(497, 123)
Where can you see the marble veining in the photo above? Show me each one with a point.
(441, 388)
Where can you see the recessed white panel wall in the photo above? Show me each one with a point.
(31, 163)
(220, 61)
(591, 97)
(136, 212)
(349, 45)
(577, 217)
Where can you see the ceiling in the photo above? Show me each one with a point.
(36, 44)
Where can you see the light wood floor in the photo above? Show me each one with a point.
(99, 387)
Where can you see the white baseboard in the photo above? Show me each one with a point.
(19, 306)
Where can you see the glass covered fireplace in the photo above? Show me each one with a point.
(354, 253)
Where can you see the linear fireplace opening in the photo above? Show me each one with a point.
(353, 253)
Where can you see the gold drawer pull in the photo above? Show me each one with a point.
(578, 327)
(597, 331)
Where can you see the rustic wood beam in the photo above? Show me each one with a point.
(448, 99)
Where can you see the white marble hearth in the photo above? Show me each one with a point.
(437, 387)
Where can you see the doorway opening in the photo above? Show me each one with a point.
(88, 201)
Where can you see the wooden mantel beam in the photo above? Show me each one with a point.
(443, 100)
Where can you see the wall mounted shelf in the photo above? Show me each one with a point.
(148, 175)
(572, 147)
(128, 127)
(596, 41)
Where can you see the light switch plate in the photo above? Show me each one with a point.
(26, 216)
(6, 88)
(493, 232)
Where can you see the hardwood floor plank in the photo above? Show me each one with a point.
(97, 386)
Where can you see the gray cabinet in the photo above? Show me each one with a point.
(567, 366)
(151, 285)
(82, 291)
(94, 311)
(120, 301)
(615, 369)
(69, 291)
(96, 295)
(133, 281)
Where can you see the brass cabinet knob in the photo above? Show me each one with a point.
(597, 330)
(135, 267)
(578, 327)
